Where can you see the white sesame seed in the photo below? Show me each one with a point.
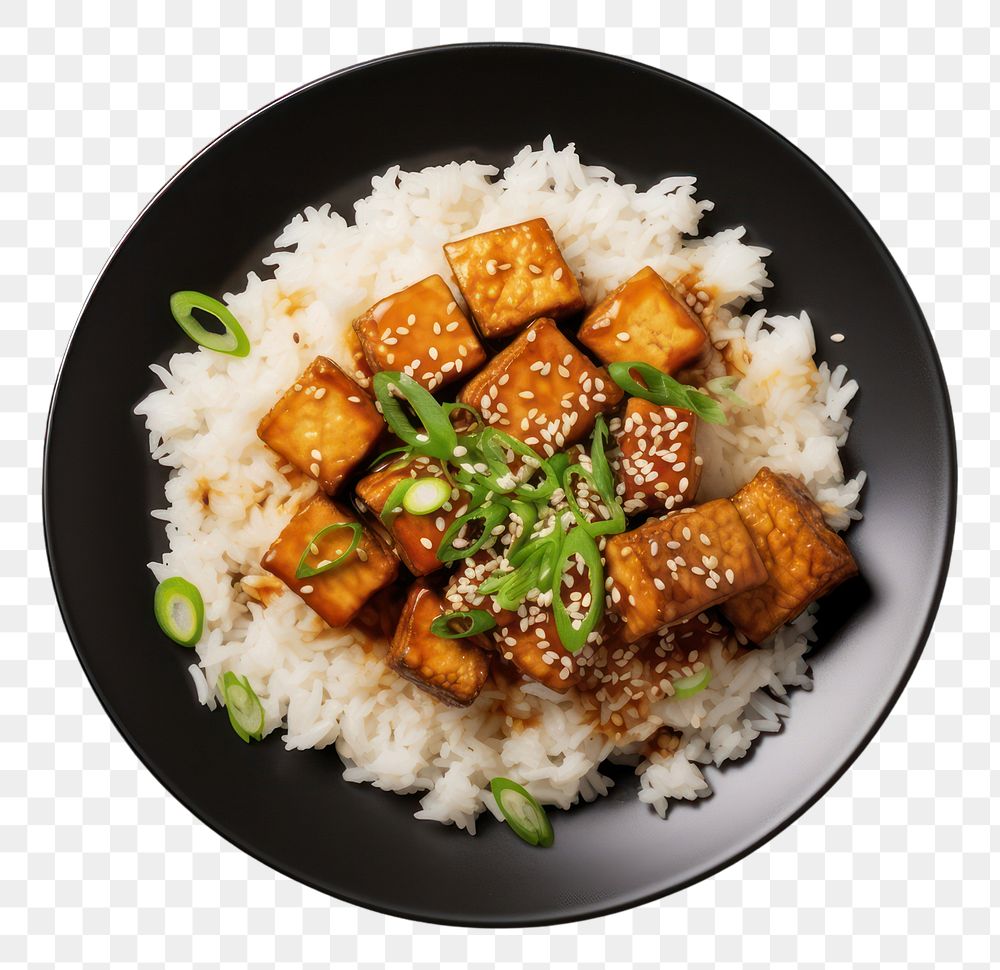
(320, 393)
(314, 469)
(426, 543)
(836, 337)
(534, 269)
(305, 589)
(557, 274)
(623, 336)
(317, 454)
(362, 554)
(354, 399)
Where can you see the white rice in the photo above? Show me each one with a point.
(227, 499)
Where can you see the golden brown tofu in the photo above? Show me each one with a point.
(803, 557)
(542, 390)
(645, 319)
(417, 537)
(461, 591)
(361, 372)
(324, 424)
(658, 468)
(512, 276)
(453, 671)
(649, 667)
(673, 568)
(422, 332)
(531, 641)
(338, 594)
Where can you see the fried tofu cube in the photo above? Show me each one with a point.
(338, 594)
(803, 557)
(453, 671)
(461, 592)
(422, 332)
(673, 568)
(324, 424)
(645, 319)
(417, 537)
(542, 390)
(512, 276)
(658, 468)
(530, 640)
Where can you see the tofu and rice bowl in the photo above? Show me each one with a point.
(509, 478)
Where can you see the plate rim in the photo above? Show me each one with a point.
(628, 901)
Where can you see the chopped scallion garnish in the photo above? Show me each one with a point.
(573, 631)
(438, 437)
(611, 526)
(233, 342)
(426, 495)
(459, 624)
(662, 389)
(180, 610)
(394, 503)
(523, 813)
(491, 514)
(723, 387)
(243, 706)
(695, 684)
(305, 571)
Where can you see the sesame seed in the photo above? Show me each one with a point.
(837, 337)
(527, 395)
(314, 469)
(317, 454)
(433, 353)
(320, 393)
(450, 308)
(491, 267)
(305, 589)
(705, 541)
(730, 577)
(623, 336)
(557, 274)
(534, 269)
(362, 554)
(426, 543)
(452, 327)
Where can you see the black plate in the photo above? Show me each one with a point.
(213, 222)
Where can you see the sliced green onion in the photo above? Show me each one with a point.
(573, 636)
(394, 503)
(304, 571)
(180, 610)
(528, 514)
(559, 462)
(523, 813)
(233, 342)
(601, 527)
(438, 437)
(452, 406)
(404, 452)
(600, 468)
(490, 443)
(723, 387)
(661, 388)
(491, 514)
(695, 684)
(243, 706)
(459, 624)
(426, 495)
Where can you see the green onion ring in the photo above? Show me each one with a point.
(243, 707)
(302, 571)
(612, 526)
(573, 637)
(233, 342)
(662, 389)
(524, 815)
(438, 439)
(695, 684)
(476, 622)
(527, 512)
(426, 495)
(180, 610)
(492, 514)
(394, 503)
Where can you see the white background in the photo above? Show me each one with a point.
(99, 866)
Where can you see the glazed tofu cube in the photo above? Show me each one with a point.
(422, 332)
(673, 568)
(338, 594)
(803, 557)
(361, 372)
(658, 468)
(645, 319)
(417, 537)
(532, 645)
(512, 276)
(324, 424)
(461, 591)
(453, 671)
(542, 390)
